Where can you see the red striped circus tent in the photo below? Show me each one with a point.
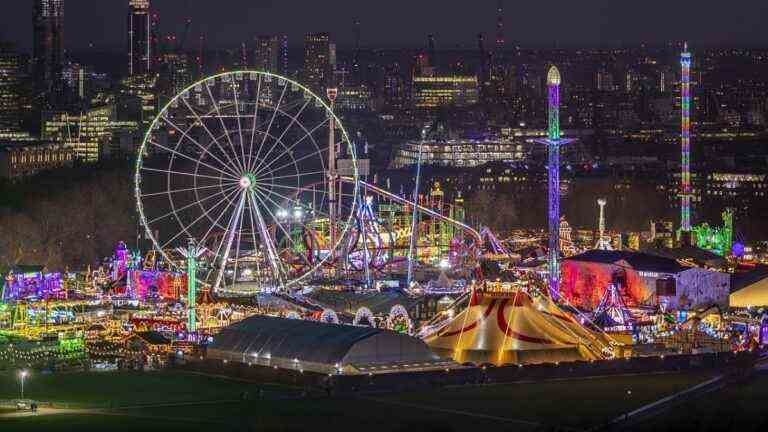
(514, 327)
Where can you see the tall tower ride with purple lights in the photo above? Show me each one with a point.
(685, 143)
(553, 143)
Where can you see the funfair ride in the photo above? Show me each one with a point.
(239, 162)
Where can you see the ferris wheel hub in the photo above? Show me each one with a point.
(247, 181)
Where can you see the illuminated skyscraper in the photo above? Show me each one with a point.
(500, 27)
(266, 54)
(685, 141)
(317, 61)
(48, 43)
(139, 42)
(11, 70)
(284, 55)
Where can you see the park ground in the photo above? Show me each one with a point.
(173, 400)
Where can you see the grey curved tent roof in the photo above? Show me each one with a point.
(287, 338)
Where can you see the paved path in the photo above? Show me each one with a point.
(41, 411)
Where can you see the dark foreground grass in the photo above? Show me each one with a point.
(104, 389)
(577, 403)
(737, 407)
(516, 407)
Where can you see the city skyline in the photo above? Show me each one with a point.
(454, 25)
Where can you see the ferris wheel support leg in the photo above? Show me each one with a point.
(230, 238)
(264, 232)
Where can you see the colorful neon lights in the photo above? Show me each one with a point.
(553, 143)
(685, 179)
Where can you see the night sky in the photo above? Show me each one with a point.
(393, 23)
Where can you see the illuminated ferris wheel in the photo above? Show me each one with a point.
(244, 163)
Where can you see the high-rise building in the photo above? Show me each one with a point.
(139, 38)
(266, 54)
(48, 43)
(75, 75)
(317, 61)
(284, 55)
(175, 73)
(11, 73)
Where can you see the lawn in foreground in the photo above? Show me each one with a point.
(577, 403)
(103, 389)
(740, 407)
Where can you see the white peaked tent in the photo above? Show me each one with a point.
(513, 327)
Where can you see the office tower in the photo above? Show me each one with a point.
(284, 55)
(431, 54)
(266, 54)
(317, 61)
(175, 73)
(500, 27)
(11, 73)
(139, 38)
(48, 44)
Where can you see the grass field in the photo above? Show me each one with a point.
(740, 407)
(129, 388)
(519, 407)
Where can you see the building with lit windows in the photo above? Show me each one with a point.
(175, 74)
(11, 74)
(266, 53)
(139, 46)
(19, 160)
(440, 91)
(89, 134)
(317, 61)
(736, 188)
(459, 153)
(75, 75)
(511, 145)
(354, 98)
(48, 43)
(138, 98)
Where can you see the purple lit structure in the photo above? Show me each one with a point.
(32, 282)
(553, 143)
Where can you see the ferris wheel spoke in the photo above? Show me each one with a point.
(187, 189)
(237, 247)
(277, 223)
(198, 219)
(216, 223)
(230, 235)
(194, 141)
(289, 149)
(255, 244)
(164, 171)
(274, 259)
(271, 121)
(306, 174)
(177, 153)
(234, 166)
(196, 202)
(291, 201)
(239, 123)
(255, 120)
(224, 127)
(294, 118)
